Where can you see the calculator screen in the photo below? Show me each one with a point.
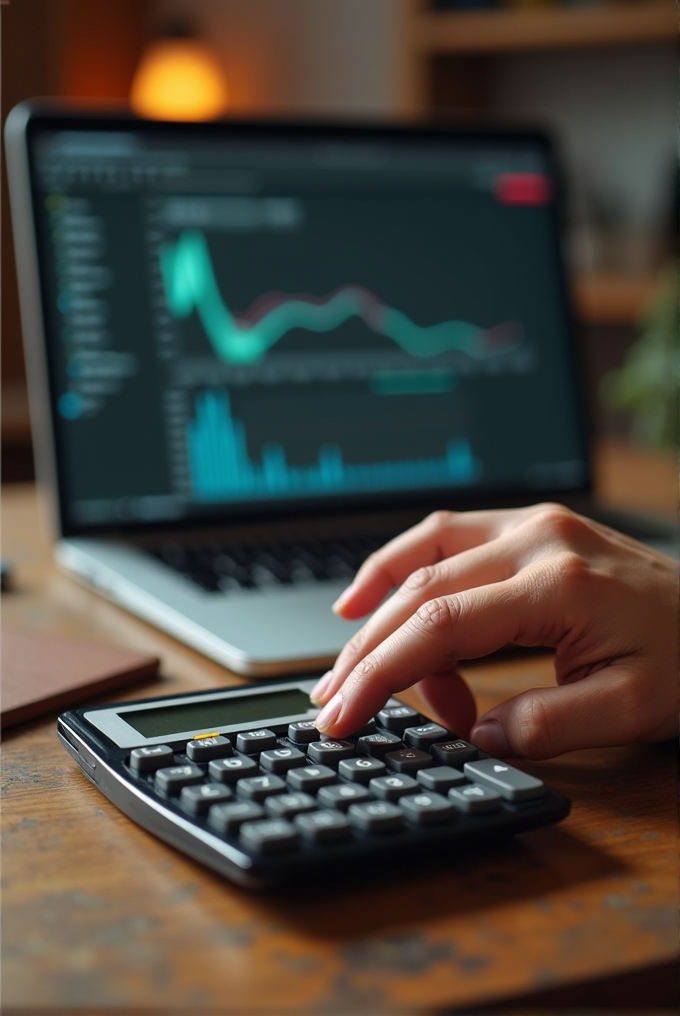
(161, 720)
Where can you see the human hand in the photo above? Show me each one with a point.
(470, 583)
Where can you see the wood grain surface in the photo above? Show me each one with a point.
(100, 917)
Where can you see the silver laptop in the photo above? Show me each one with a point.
(258, 350)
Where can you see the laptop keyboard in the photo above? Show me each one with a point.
(220, 568)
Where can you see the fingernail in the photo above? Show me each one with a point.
(329, 713)
(490, 737)
(343, 597)
(316, 694)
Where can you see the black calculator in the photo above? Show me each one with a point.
(241, 780)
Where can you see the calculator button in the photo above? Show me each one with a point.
(259, 788)
(303, 732)
(426, 735)
(229, 770)
(154, 756)
(511, 783)
(323, 826)
(268, 836)
(280, 760)
(341, 795)
(440, 778)
(330, 752)
(377, 745)
(172, 779)
(427, 808)
(207, 748)
(289, 805)
(310, 778)
(391, 788)
(361, 770)
(199, 799)
(474, 799)
(408, 760)
(455, 753)
(398, 717)
(228, 818)
(251, 741)
(375, 816)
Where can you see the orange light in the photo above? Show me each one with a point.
(179, 79)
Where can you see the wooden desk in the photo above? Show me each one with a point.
(101, 917)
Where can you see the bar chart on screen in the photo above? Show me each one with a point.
(221, 467)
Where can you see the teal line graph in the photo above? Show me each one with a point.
(190, 285)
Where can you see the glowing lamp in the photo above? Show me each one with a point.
(179, 78)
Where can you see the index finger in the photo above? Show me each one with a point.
(461, 626)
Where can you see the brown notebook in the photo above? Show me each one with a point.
(42, 674)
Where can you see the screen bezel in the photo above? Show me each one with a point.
(111, 720)
(40, 120)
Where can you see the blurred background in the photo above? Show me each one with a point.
(600, 75)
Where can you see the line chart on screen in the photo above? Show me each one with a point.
(191, 286)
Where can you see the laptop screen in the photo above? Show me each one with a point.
(244, 318)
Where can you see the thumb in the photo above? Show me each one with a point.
(598, 711)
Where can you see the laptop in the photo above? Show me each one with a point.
(258, 350)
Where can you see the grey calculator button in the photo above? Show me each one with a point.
(289, 805)
(474, 799)
(250, 741)
(281, 759)
(303, 732)
(426, 735)
(329, 753)
(440, 778)
(268, 836)
(310, 778)
(511, 783)
(207, 748)
(229, 770)
(427, 808)
(398, 717)
(227, 819)
(378, 744)
(259, 788)
(341, 795)
(408, 760)
(392, 787)
(361, 770)
(375, 817)
(323, 826)
(455, 752)
(172, 779)
(199, 799)
(153, 756)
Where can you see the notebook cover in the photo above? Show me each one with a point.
(42, 674)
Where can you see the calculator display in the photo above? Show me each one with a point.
(162, 720)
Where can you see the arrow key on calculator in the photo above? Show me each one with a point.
(510, 783)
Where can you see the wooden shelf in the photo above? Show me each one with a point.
(612, 299)
(507, 31)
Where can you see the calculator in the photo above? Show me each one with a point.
(241, 780)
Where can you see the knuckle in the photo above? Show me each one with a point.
(364, 672)
(536, 735)
(439, 519)
(438, 616)
(557, 521)
(420, 579)
(571, 568)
